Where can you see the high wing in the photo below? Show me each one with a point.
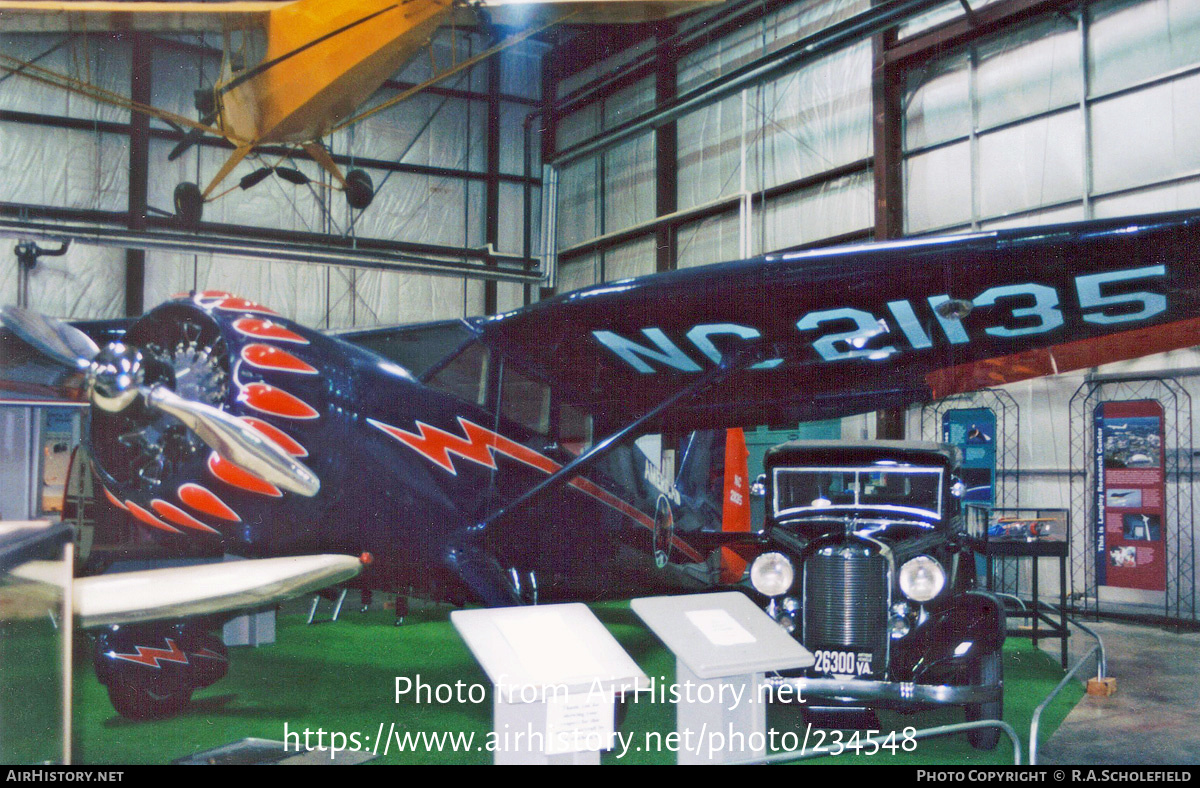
(57, 16)
(819, 334)
(192, 591)
(304, 67)
(167, 16)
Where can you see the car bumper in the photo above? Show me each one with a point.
(885, 694)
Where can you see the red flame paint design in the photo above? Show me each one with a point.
(178, 516)
(269, 399)
(285, 441)
(148, 519)
(243, 305)
(268, 357)
(205, 501)
(265, 329)
(237, 476)
(114, 500)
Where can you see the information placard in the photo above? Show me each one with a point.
(1130, 496)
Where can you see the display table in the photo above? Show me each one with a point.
(723, 644)
(35, 642)
(555, 672)
(982, 520)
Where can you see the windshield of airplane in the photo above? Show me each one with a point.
(894, 488)
(416, 348)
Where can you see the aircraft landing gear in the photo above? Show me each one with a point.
(359, 189)
(189, 204)
(151, 670)
(143, 703)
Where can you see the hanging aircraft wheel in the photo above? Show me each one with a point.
(359, 189)
(142, 703)
(189, 203)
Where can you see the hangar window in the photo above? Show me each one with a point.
(525, 401)
(465, 375)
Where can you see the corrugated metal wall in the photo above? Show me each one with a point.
(60, 153)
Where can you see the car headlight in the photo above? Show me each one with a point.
(922, 578)
(772, 574)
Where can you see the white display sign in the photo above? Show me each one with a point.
(719, 627)
(579, 723)
(536, 637)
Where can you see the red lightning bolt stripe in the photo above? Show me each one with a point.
(208, 653)
(153, 657)
(481, 446)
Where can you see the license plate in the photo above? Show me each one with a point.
(843, 663)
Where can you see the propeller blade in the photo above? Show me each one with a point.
(191, 138)
(237, 442)
(58, 340)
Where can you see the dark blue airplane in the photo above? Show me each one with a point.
(491, 460)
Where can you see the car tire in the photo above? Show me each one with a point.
(988, 672)
(142, 703)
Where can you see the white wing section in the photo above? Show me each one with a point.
(183, 592)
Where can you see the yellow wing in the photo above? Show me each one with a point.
(56, 16)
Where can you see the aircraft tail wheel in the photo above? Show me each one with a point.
(189, 203)
(143, 703)
(359, 189)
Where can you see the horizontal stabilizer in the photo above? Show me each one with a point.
(202, 590)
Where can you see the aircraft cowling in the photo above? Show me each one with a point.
(159, 471)
(310, 393)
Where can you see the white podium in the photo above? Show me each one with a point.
(555, 671)
(723, 644)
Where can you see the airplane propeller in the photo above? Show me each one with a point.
(115, 377)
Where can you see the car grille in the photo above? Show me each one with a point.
(846, 602)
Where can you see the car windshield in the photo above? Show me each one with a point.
(894, 488)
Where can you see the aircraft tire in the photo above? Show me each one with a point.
(359, 189)
(189, 203)
(142, 703)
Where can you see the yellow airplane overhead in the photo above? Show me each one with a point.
(320, 60)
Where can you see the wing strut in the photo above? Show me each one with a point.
(729, 365)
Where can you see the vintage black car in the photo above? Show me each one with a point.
(867, 565)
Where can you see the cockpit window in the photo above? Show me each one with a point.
(525, 401)
(896, 488)
(574, 429)
(466, 375)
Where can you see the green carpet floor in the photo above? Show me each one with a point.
(341, 677)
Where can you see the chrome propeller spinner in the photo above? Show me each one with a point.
(115, 378)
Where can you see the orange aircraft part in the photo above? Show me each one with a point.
(323, 60)
(735, 516)
(237, 476)
(1066, 357)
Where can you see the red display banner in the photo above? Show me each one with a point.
(1130, 528)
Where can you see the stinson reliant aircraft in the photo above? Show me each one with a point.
(490, 460)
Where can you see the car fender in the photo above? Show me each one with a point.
(956, 636)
